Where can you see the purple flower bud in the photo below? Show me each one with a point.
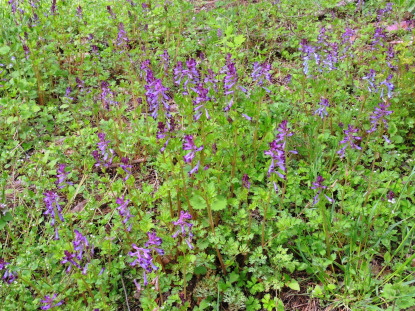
(61, 177)
(126, 167)
(245, 181)
(103, 156)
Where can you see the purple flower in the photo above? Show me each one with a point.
(49, 302)
(378, 116)
(371, 80)
(231, 77)
(378, 37)
(277, 150)
(321, 111)
(189, 75)
(245, 181)
(126, 167)
(189, 144)
(388, 85)
(308, 52)
(156, 92)
(53, 209)
(195, 169)
(201, 98)
(107, 96)
(111, 13)
(13, 4)
(153, 241)
(9, 277)
(382, 12)
(3, 264)
(61, 176)
(349, 140)
(53, 7)
(81, 245)
(122, 39)
(165, 60)
(124, 211)
(103, 156)
(318, 184)
(260, 73)
(211, 80)
(144, 259)
(71, 259)
(79, 12)
(185, 229)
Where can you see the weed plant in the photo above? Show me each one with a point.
(207, 155)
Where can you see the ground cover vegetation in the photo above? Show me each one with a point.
(207, 155)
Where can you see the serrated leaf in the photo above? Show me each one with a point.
(200, 270)
(239, 40)
(219, 203)
(198, 202)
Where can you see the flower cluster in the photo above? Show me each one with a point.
(378, 116)
(189, 75)
(231, 76)
(81, 247)
(53, 209)
(349, 140)
(126, 167)
(318, 184)
(124, 211)
(49, 302)
(277, 151)
(156, 92)
(321, 111)
(185, 230)
(202, 96)
(122, 39)
(379, 87)
(8, 276)
(261, 73)
(144, 256)
(189, 144)
(61, 177)
(103, 156)
(107, 96)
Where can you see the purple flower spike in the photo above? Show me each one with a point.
(378, 116)
(103, 156)
(153, 241)
(277, 150)
(144, 259)
(49, 302)
(71, 259)
(189, 144)
(107, 96)
(122, 39)
(245, 181)
(202, 97)
(61, 176)
(124, 211)
(185, 229)
(318, 184)
(53, 209)
(260, 73)
(349, 140)
(195, 169)
(231, 77)
(321, 111)
(126, 167)
(9, 277)
(156, 93)
(165, 60)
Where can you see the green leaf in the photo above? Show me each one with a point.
(4, 50)
(219, 203)
(239, 40)
(198, 202)
(5, 219)
(233, 277)
(200, 270)
(293, 284)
